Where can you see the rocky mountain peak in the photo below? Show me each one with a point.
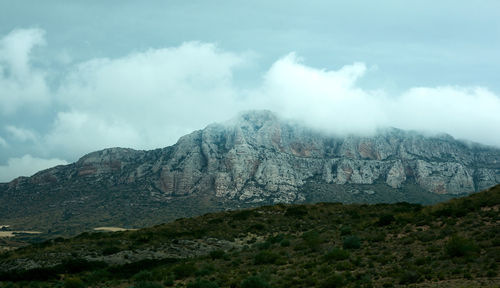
(259, 158)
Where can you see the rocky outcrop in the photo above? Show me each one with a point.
(259, 158)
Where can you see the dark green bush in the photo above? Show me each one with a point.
(312, 239)
(243, 215)
(265, 257)
(458, 246)
(143, 276)
(336, 254)
(385, 220)
(145, 284)
(351, 242)
(296, 211)
(202, 284)
(184, 270)
(73, 283)
(409, 277)
(345, 230)
(254, 282)
(285, 243)
(334, 281)
(110, 250)
(217, 254)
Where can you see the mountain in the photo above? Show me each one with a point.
(452, 244)
(255, 159)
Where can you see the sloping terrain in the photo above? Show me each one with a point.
(452, 244)
(255, 159)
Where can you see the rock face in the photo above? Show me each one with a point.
(259, 158)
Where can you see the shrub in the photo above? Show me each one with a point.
(351, 242)
(147, 285)
(337, 254)
(202, 284)
(458, 247)
(143, 276)
(285, 243)
(217, 254)
(345, 230)
(334, 281)
(254, 282)
(243, 215)
(296, 211)
(385, 220)
(265, 257)
(312, 239)
(184, 270)
(73, 283)
(110, 250)
(409, 277)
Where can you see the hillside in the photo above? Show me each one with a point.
(255, 159)
(450, 244)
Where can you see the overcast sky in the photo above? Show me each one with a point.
(78, 76)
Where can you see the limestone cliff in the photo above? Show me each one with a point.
(259, 158)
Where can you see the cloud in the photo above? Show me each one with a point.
(3, 143)
(148, 99)
(26, 166)
(21, 134)
(327, 100)
(21, 85)
(145, 100)
(333, 102)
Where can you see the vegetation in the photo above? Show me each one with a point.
(450, 244)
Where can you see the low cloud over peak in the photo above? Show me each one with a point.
(148, 99)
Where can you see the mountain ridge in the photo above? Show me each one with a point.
(253, 159)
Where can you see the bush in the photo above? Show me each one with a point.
(409, 277)
(217, 254)
(285, 243)
(147, 285)
(184, 270)
(334, 281)
(385, 220)
(336, 254)
(296, 211)
(459, 247)
(254, 282)
(73, 283)
(265, 257)
(345, 230)
(110, 250)
(312, 240)
(143, 276)
(351, 242)
(202, 284)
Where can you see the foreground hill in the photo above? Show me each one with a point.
(255, 159)
(453, 244)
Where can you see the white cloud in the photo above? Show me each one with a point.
(21, 85)
(26, 166)
(149, 99)
(332, 101)
(21, 134)
(328, 100)
(3, 143)
(145, 100)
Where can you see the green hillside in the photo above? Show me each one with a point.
(452, 244)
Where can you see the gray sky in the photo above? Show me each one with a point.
(77, 76)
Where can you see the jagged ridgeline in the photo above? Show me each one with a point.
(255, 159)
(453, 244)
